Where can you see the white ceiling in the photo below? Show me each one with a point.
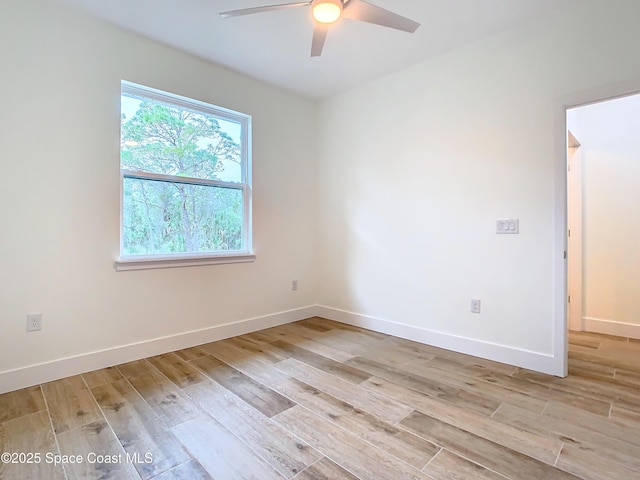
(274, 46)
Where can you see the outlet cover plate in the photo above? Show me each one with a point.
(34, 322)
(475, 305)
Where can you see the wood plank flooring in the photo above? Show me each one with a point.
(319, 400)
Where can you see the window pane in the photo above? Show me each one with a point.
(170, 140)
(164, 217)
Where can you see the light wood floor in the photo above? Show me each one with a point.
(321, 400)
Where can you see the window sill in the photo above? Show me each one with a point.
(146, 263)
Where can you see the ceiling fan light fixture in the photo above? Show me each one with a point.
(326, 11)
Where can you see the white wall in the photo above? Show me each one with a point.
(610, 150)
(59, 200)
(415, 168)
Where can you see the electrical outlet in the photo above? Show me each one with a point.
(34, 322)
(294, 285)
(475, 305)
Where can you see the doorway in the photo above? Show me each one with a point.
(603, 244)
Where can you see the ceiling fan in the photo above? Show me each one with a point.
(327, 12)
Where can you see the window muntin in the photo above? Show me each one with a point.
(185, 172)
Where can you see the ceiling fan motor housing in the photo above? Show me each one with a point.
(326, 11)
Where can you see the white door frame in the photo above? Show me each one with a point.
(560, 277)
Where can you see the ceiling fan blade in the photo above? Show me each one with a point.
(366, 12)
(267, 8)
(320, 31)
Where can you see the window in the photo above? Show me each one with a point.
(186, 183)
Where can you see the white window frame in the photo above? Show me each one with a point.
(245, 254)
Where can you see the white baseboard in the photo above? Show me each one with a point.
(539, 362)
(611, 327)
(46, 372)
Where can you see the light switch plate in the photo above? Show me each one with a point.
(508, 226)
